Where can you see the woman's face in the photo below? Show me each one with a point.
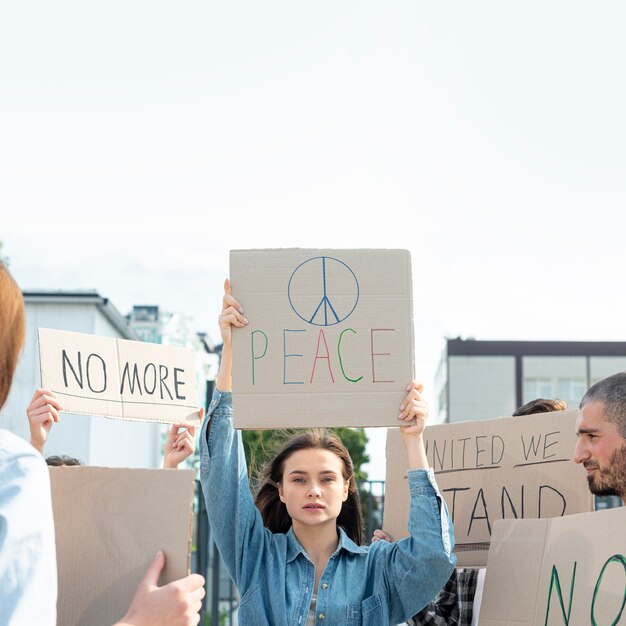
(312, 487)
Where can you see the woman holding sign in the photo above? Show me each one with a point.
(296, 559)
(28, 575)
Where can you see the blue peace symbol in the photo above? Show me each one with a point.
(324, 312)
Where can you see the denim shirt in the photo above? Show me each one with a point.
(382, 584)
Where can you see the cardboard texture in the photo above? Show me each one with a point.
(109, 524)
(569, 570)
(512, 467)
(330, 339)
(131, 380)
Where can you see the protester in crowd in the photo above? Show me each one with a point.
(28, 579)
(297, 559)
(43, 411)
(601, 432)
(458, 603)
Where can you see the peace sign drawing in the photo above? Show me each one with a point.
(323, 291)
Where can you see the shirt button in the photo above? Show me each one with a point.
(324, 585)
(322, 615)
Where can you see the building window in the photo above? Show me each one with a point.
(571, 390)
(537, 388)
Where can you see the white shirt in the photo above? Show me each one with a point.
(28, 577)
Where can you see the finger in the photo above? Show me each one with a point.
(195, 608)
(186, 437)
(154, 570)
(189, 427)
(413, 394)
(419, 410)
(381, 534)
(42, 391)
(413, 409)
(197, 594)
(415, 385)
(46, 399)
(44, 414)
(191, 582)
(46, 420)
(230, 301)
(227, 286)
(230, 312)
(186, 447)
(183, 440)
(228, 321)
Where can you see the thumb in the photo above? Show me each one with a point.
(154, 570)
(227, 286)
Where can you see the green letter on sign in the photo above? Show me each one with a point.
(616, 558)
(555, 579)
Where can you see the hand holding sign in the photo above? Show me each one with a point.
(175, 604)
(179, 445)
(231, 315)
(42, 412)
(414, 410)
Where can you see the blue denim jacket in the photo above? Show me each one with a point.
(385, 583)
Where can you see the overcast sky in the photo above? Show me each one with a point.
(140, 141)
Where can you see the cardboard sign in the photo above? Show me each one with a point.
(330, 337)
(569, 570)
(109, 524)
(512, 467)
(132, 380)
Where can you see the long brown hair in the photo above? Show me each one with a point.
(12, 329)
(274, 512)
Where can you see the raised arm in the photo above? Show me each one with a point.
(414, 408)
(417, 567)
(235, 521)
(231, 316)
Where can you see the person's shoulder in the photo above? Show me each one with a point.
(18, 457)
(12, 445)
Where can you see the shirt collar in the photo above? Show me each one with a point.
(345, 543)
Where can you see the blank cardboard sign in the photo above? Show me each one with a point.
(330, 337)
(512, 467)
(132, 380)
(109, 524)
(554, 572)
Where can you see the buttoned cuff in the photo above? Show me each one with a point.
(422, 482)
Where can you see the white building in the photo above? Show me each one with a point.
(93, 440)
(483, 379)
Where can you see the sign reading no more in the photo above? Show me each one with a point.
(118, 378)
